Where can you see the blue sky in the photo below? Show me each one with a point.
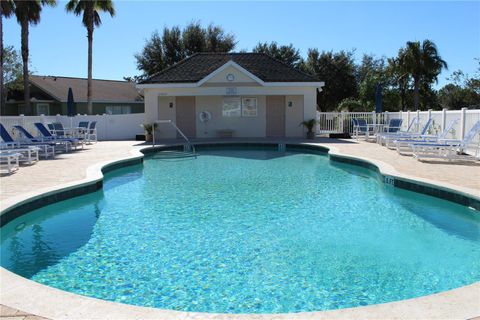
(58, 45)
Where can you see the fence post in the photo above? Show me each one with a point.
(463, 114)
(374, 117)
(408, 118)
(418, 120)
(105, 123)
(444, 118)
(386, 117)
(342, 118)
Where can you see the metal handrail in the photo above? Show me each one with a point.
(176, 128)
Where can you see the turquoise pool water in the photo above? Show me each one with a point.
(239, 231)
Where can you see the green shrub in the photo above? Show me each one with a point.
(352, 105)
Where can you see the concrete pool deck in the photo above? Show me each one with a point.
(80, 167)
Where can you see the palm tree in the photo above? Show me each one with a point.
(6, 10)
(397, 70)
(91, 19)
(424, 64)
(28, 12)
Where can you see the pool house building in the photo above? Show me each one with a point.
(211, 95)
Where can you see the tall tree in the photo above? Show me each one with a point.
(370, 72)
(172, 48)
(338, 71)
(28, 13)
(423, 62)
(11, 73)
(153, 59)
(91, 18)
(217, 40)
(194, 39)
(287, 54)
(174, 45)
(463, 91)
(397, 69)
(6, 10)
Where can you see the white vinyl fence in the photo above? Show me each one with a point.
(340, 122)
(109, 127)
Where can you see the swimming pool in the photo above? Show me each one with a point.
(247, 231)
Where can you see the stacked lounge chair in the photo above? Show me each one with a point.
(9, 160)
(384, 135)
(30, 151)
(47, 136)
(448, 149)
(62, 146)
(405, 144)
(388, 140)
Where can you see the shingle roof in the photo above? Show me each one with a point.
(200, 65)
(103, 90)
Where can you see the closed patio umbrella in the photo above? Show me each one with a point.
(71, 109)
(378, 98)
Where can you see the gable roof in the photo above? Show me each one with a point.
(103, 90)
(200, 65)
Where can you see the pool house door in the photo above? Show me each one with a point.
(185, 116)
(275, 116)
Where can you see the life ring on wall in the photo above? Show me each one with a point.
(204, 116)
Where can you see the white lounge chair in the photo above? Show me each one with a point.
(9, 161)
(47, 136)
(383, 135)
(91, 133)
(47, 148)
(28, 154)
(388, 141)
(448, 149)
(405, 145)
(361, 127)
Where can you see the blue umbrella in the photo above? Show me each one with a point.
(71, 108)
(378, 98)
(71, 104)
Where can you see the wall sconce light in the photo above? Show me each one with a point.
(170, 104)
(290, 104)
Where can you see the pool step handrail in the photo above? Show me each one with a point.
(187, 148)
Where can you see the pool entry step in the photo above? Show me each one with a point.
(174, 154)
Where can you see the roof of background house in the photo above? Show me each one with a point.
(103, 90)
(200, 65)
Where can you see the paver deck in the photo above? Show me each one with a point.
(460, 173)
(7, 313)
(68, 168)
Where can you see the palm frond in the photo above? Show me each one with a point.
(91, 10)
(8, 8)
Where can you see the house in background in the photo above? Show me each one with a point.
(49, 96)
(240, 94)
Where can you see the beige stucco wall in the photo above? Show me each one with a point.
(221, 77)
(210, 98)
(293, 116)
(166, 113)
(241, 126)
